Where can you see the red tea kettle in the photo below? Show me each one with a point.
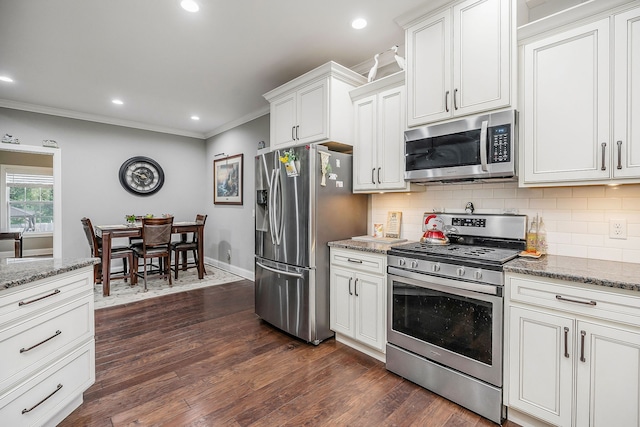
(433, 234)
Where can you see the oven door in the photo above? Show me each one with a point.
(454, 323)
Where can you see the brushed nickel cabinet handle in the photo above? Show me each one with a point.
(582, 338)
(24, 411)
(24, 350)
(293, 133)
(561, 298)
(619, 154)
(455, 99)
(350, 279)
(298, 132)
(356, 287)
(357, 261)
(446, 101)
(566, 342)
(379, 176)
(21, 303)
(604, 153)
(373, 172)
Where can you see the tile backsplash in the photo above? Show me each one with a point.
(576, 218)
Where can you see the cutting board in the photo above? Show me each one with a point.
(383, 240)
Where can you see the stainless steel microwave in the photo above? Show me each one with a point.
(474, 148)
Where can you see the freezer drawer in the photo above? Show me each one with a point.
(285, 298)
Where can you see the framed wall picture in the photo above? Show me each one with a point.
(227, 180)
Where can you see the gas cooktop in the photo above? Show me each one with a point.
(456, 251)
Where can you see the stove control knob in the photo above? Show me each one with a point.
(435, 268)
(477, 274)
(401, 262)
(414, 264)
(460, 271)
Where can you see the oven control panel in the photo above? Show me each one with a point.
(424, 268)
(469, 222)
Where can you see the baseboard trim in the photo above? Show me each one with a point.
(245, 274)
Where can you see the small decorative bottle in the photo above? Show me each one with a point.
(532, 236)
(541, 246)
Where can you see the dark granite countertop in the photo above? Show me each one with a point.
(373, 247)
(20, 271)
(612, 274)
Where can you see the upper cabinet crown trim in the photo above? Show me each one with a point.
(392, 80)
(330, 69)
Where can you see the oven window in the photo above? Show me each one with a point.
(460, 149)
(456, 323)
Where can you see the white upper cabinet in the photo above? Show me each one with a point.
(314, 107)
(571, 132)
(379, 125)
(626, 108)
(459, 61)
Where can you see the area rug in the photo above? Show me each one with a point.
(123, 293)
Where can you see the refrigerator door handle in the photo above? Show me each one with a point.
(270, 209)
(278, 222)
(275, 270)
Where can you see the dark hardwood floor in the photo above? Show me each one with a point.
(203, 358)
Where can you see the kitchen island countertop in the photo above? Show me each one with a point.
(373, 247)
(612, 274)
(20, 271)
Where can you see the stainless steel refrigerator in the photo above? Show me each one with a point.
(297, 214)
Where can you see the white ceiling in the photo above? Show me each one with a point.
(71, 57)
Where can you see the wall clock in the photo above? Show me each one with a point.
(141, 176)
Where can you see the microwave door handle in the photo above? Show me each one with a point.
(483, 145)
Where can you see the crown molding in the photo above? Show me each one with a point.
(235, 123)
(95, 118)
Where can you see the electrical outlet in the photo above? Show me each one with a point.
(618, 229)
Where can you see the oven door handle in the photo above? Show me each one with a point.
(419, 279)
(483, 145)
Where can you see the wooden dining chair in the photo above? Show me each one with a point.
(182, 248)
(122, 252)
(156, 243)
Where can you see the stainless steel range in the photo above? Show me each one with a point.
(445, 309)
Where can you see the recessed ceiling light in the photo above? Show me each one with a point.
(6, 79)
(190, 5)
(195, 118)
(359, 23)
(117, 101)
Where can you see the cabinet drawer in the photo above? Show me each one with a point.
(27, 299)
(564, 296)
(356, 260)
(38, 341)
(49, 391)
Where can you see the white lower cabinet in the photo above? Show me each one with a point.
(573, 353)
(358, 300)
(48, 348)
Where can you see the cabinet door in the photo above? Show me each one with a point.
(541, 357)
(429, 70)
(342, 316)
(608, 376)
(313, 117)
(390, 141)
(627, 95)
(566, 106)
(283, 121)
(364, 148)
(481, 55)
(370, 315)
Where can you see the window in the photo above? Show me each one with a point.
(28, 198)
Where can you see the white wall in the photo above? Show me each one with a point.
(91, 157)
(576, 218)
(232, 226)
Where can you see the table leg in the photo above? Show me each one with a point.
(200, 252)
(106, 262)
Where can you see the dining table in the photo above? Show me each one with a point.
(16, 236)
(110, 232)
